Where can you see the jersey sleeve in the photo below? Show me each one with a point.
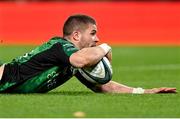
(64, 51)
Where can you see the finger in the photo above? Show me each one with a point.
(167, 91)
(170, 89)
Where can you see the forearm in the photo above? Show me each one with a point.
(92, 55)
(89, 56)
(114, 87)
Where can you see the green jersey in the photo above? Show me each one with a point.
(41, 70)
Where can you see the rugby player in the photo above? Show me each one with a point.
(54, 62)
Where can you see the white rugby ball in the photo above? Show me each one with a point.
(101, 73)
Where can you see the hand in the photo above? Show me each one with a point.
(160, 90)
(109, 56)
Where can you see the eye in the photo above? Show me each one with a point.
(93, 33)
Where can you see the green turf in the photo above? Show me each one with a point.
(146, 67)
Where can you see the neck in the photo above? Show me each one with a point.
(1, 71)
(70, 39)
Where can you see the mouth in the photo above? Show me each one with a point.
(93, 45)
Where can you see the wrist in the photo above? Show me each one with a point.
(138, 90)
(105, 47)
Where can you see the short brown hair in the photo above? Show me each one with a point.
(75, 22)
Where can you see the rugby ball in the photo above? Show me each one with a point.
(101, 73)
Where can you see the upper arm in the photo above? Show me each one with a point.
(63, 53)
(77, 60)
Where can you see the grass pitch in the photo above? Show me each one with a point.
(145, 67)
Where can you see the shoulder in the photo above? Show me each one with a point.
(59, 40)
(63, 44)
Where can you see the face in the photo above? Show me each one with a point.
(88, 37)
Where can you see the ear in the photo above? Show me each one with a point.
(76, 35)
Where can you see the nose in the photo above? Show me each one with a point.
(96, 39)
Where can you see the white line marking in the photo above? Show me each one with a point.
(149, 67)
